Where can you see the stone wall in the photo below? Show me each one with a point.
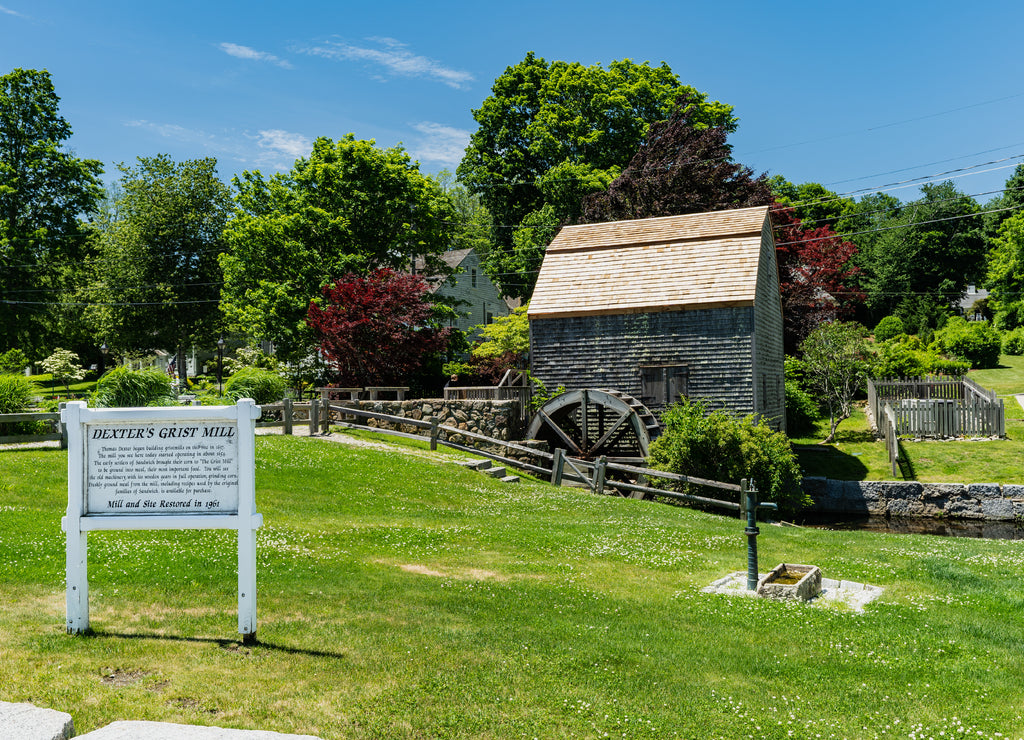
(497, 419)
(978, 501)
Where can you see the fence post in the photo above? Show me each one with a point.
(600, 471)
(286, 416)
(433, 433)
(325, 418)
(61, 427)
(556, 466)
(314, 416)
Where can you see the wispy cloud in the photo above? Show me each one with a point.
(284, 142)
(274, 148)
(395, 57)
(15, 13)
(246, 52)
(439, 143)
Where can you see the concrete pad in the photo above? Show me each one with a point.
(138, 730)
(29, 722)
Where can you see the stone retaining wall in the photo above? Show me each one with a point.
(497, 419)
(978, 501)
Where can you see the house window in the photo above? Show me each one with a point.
(661, 385)
(472, 277)
(488, 318)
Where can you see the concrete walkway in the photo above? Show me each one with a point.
(29, 722)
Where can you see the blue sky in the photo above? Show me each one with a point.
(852, 95)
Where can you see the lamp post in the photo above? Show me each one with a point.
(220, 366)
(103, 358)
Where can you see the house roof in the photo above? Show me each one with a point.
(700, 260)
(453, 258)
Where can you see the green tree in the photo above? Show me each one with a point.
(550, 133)
(812, 203)
(1005, 276)
(158, 276)
(44, 193)
(1007, 204)
(835, 367)
(934, 249)
(349, 207)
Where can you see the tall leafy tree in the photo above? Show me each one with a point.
(550, 133)
(812, 203)
(1006, 204)
(349, 207)
(680, 167)
(158, 278)
(1005, 277)
(931, 250)
(45, 191)
(377, 329)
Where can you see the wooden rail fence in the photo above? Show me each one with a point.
(50, 417)
(599, 476)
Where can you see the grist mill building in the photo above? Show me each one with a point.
(664, 308)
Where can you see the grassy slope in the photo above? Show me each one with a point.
(858, 456)
(404, 597)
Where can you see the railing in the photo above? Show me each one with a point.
(887, 428)
(515, 385)
(52, 418)
(937, 407)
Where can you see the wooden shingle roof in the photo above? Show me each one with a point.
(700, 260)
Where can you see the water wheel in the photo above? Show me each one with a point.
(590, 422)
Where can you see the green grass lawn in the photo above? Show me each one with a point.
(50, 389)
(402, 596)
(857, 455)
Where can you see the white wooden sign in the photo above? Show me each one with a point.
(191, 467)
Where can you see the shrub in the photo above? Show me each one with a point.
(122, 387)
(801, 410)
(1013, 342)
(16, 394)
(262, 386)
(13, 361)
(889, 327)
(718, 446)
(977, 342)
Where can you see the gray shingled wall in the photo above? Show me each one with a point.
(769, 356)
(607, 352)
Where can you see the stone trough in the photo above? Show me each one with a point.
(791, 583)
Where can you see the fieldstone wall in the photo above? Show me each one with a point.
(978, 501)
(497, 419)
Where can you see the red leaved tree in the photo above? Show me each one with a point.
(817, 275)
(376, 329)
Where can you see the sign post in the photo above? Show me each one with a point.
(161, 468)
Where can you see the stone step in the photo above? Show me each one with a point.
(475, 464)
(134, 730)
(28, 722)
(510, 479)
(495, 472)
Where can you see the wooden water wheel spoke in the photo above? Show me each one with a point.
(558, 430)
(592, 422)
(615, 428)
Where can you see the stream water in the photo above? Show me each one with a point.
(942, 528)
